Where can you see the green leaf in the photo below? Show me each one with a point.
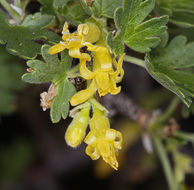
(181, 12)
(47, 6)
(54, 71)
(130, 29)
(68, 10)
(21, 40)
(38, 21)
(102, 8)
(75, 14)
(52, 7)
(60, 6)
(172, 66)
(60, 105)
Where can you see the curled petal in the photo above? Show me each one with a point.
(113, 87)
(65, 29)
(75, 52)
(115, 136)
(85, 72)
(118, 141)
(92, 152)
(119, 69)
(57, 48)
(84, 95)
(119, 78)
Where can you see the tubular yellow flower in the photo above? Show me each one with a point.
(103, 141)
(88, 32)
(103, 75)
(76, 130)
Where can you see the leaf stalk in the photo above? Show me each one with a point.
(135, 61)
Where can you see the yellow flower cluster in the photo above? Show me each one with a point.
(102, 141)
(103, 74)
(102, 77)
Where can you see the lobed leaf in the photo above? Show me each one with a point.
(130, 29)
(47, 6)
(172, 66)
(181, 12)
(21, 40)
(38, 21)
(102, 8)
(55, 71)
(68, 10)
(60, 104)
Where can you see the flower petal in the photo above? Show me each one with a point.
(75, 52)
(56, 48)
(84, 95)
(92, 152)
(85, 72)
(103, 82)
(90, 138)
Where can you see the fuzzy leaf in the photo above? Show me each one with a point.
(130, 29)
(47, 6)
(172, 66)
(181, 12)
(54, 71)
(53, 6)
(38, 21)
(21, 40)
(71, 13)
(60, 104)
(102, 8)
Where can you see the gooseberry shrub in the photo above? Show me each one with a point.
(95, 34)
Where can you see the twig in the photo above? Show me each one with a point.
(123, 105)
(165, 162)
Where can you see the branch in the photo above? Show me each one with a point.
(124, 105)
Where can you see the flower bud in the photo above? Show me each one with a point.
(90, 32)
(76, 130)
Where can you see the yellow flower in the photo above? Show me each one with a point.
(103, 75)
(77, 128)
(88, 32)
(103, 141)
